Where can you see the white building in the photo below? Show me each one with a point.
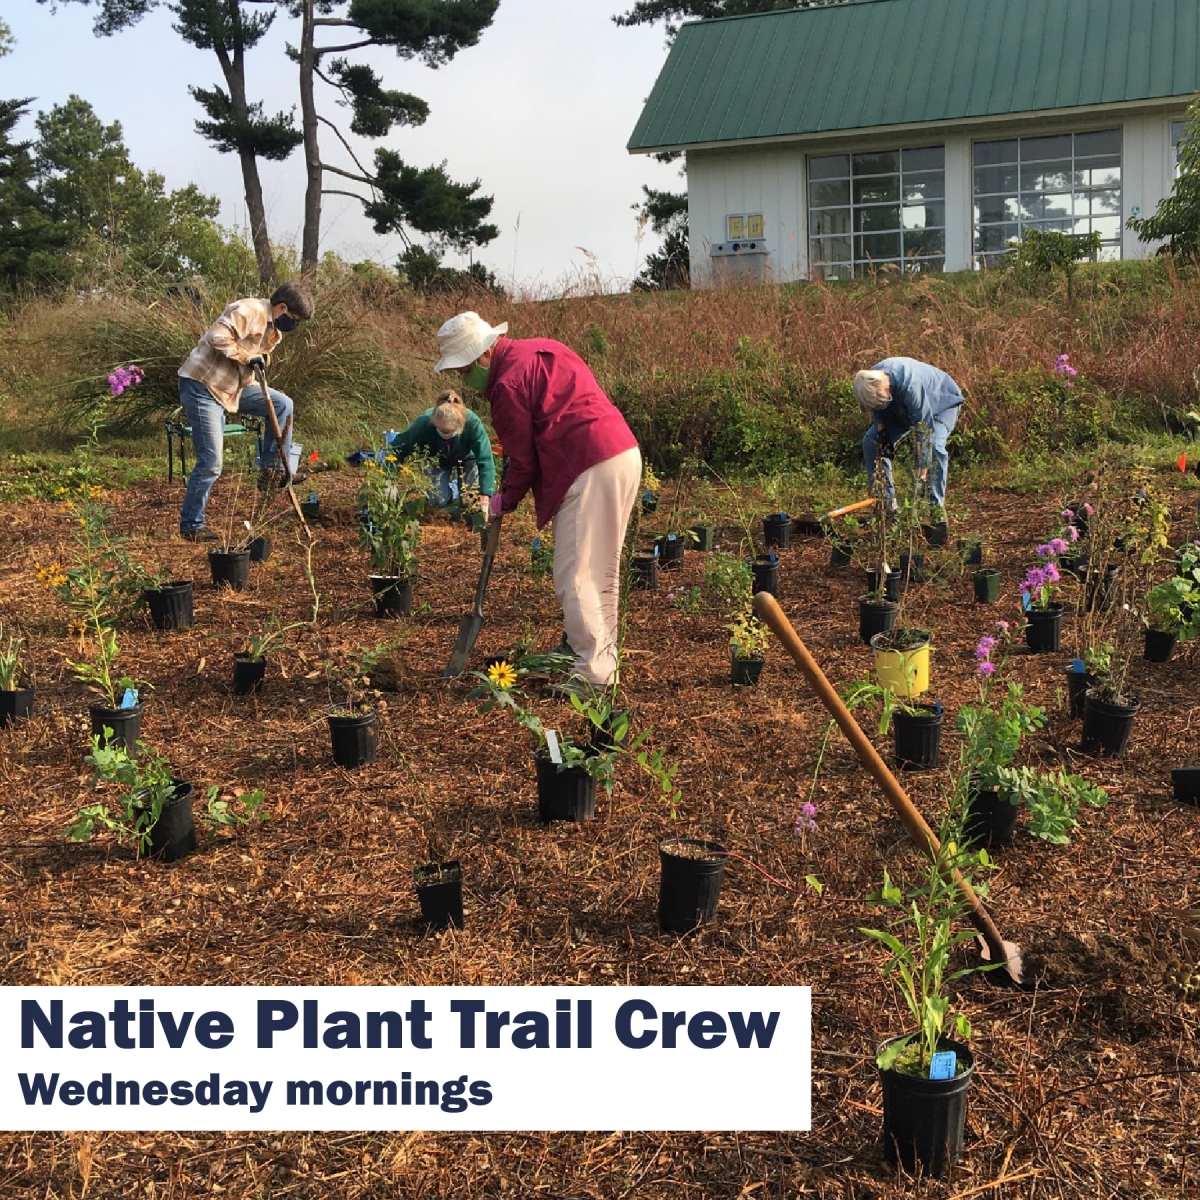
(925, 134)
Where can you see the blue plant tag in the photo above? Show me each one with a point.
(537, 543)
(771, 557)
(129, 700)
(784, 517)
(1078, 666)
(937, 707)
(312, 497)
(943, 1065)
(670, 537)
(1025, 601)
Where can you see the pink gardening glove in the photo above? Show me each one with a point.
(495, 506)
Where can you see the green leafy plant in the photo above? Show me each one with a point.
(750, 637)
(11, 670)
(1173, 606)
(143, 787)
(729, 578)
(270, 638)
(98, 673)
(1052, 798)
(391, 500)
(866, 692)
(241, 810)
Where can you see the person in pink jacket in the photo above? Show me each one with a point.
(565, 441)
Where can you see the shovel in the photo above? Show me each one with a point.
(997, 950)
(273, 420)
(847, 509)
(470, 625)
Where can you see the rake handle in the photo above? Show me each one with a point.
(768, 610)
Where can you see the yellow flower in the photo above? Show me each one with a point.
(501, 676)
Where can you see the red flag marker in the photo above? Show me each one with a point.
(1182, 463)
(316, 454)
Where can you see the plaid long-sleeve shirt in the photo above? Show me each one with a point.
(242, 332)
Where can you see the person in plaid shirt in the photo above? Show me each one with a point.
(217, 378)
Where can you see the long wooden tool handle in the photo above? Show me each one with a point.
(489, 553)
(273, 421)
(769, 611)
(847, 509)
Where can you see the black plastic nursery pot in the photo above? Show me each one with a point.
(1043, 631)
(1102, 590)
(649, 503)
(1074, 564)
(987, 585)
(936, 535)
(1107, 725)
(604, 740)
(765, 572)
(260, 549)
(1159, 646)
(918, 738)
(171, 605)
(990, 818)
(392, 594)
(777, 530)
(173, 835)
(564, 794)
(439, 892)
(841, 554)
(872, 574)
(16, 704)
(1185, 783)
(230, 567)
(643, 571)
(125, 723)
(671, 550)
(1078, 682)
(875, 616)
(923, 1119)
(691, 883)
(745, 671)
(893, 586)
(704, 537)
(912, 568)
(353, 737)
(247, 674)
(971, 552)
(310, 509)
(809, 526)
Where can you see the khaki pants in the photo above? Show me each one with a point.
(589, 531)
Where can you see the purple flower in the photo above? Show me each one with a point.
(1058, 546)
(1044, 550)
(986, 645)
(1072, 533)
(1051, 572)
(987, 668)
(1002, 626)
(1067, 514)
(1034, 580)
(806, 818)
(1088, 510)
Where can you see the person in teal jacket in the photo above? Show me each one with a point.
(457, 445)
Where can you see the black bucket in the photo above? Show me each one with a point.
(171, 605)
(936, 535)
(15, 705)
(918, 738)
(392, 594)
(173, 835)
(126, 724)
(1185, 784)
(643, 571)
(1159, 646)
(568, 794)
(248, 674)
(231, 567)
(987, 585)
(690, 886)
(893, 586)
(1106, 725)
(439, 891)
(1078, 683)
(671, 550)
(765, 572)
(875, 616)
(777, 530)
(353, 738)
(971, 552)
(912, 568)
(1043, 633)
(841, 554)
(923, 1119)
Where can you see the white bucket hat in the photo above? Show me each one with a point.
(464, 338)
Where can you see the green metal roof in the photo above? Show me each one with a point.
(896, 62)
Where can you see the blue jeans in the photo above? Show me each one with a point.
(938, 468)
(207, 419)
(444, 482)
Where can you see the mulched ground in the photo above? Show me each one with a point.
(1085, 1087)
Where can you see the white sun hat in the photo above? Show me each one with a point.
(464, 338)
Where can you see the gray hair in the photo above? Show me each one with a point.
(449, 414)
(872, 390)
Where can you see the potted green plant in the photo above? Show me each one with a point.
(749, 638)
(1172, 608)
(16, 691)
(151, 810)
(391, 500)
(926, 1073)
(250, 664)
(118, 714)
(917, 728)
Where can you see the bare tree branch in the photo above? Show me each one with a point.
(340, 138)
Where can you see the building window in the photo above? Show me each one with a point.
(1070, 182)
(1177, 143)
(868, 210)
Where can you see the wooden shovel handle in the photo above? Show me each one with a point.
(847, 509)
(769, 611)
(273, 421)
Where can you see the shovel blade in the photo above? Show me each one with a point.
(1011, 971)
(468, 630)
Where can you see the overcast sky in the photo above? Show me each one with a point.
(539, 111)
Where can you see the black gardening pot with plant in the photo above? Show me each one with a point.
(1043, 629)
(649, 503)
(170, 604)
(439, 891)
(248, 673)
(352, 734)
(745, 671)
(173, 835)
(229, 567)
(564, 793)
(875, 616)
(841, 552)
(671, 550)
(643, 570)
(260, 549)
(970, 550)
(893, 586)
(1160, 645)
(16, 704)
(912, 568)
(990, 817)
(1185, 784)
(923, 1119)
(777, 530)
(986, 583)
(918, 736)
(704, 537)
(764, 569)
(125, 723)
(690, 887)
(1079, 679)
(1107, 724)
(936, 534)
(392, 594)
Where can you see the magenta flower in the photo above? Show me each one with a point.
(1052, 573)
(806, 819)
(1072, 533)
(986, 645)
(987, 668)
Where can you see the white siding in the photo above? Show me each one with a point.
(1149, 172)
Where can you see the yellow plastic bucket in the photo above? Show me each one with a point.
(905, 672)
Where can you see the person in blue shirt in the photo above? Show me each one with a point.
(457, 446)
(903, 396)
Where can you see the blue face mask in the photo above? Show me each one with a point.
(475, 376)
(286, 323)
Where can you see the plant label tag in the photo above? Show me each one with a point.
(943, 1064)
(1025, 601)
(1078, 666)
(129, 700)
(553, 747)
